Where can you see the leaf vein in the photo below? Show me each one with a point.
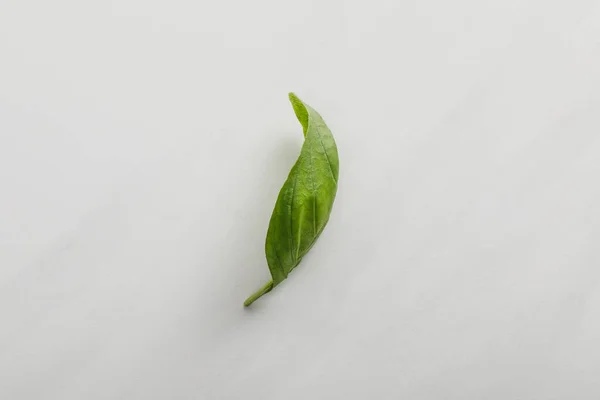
(291, 212)
(325, 151)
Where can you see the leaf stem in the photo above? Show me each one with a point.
(264, 290)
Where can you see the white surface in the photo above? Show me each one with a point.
(143, 144)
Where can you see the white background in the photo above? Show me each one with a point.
(142, 147)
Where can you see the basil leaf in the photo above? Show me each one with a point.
(305, 200)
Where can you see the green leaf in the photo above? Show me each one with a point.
(305, 201)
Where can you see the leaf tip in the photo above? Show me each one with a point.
(300, 110)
